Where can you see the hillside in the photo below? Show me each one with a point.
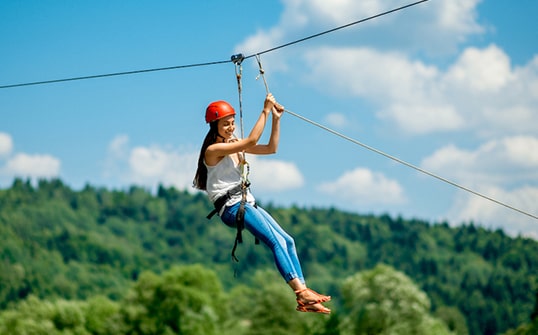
(59, 243)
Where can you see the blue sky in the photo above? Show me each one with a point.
(448, 86)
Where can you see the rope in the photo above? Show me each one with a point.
(238, 75)
(216, 62)
(410, 165)
(262, 73)
(421, 170)
(238, 60)
(240, 215)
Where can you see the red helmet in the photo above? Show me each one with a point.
(217, 110)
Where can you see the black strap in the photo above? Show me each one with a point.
(240, 215)
(210, 215)
(234, 258)
(240, 224)
(221, 201)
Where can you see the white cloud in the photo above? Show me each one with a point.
(24, 165)
(264, 40)
(153, 165)
(437, 26)
(481, 70)
(273, 175)
(457, 18)
(115, 165)
(333, 12)
(495, 97)
(364, 187)
(476, 94)
(505, 170)
(479, 92)
(497, 162)
(508, 104)
(336, 120)
(6, 144)
(481, 211)
(406, 92)
(118, 147)
(33, 166)
(150, 165)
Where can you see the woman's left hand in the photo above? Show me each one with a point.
(278, 110)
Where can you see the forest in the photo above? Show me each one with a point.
(112, 262)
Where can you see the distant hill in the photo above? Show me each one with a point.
(57, 242)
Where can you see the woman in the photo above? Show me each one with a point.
(219, 174)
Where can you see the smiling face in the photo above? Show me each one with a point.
(226, 128)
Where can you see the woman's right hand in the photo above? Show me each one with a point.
(269, 103)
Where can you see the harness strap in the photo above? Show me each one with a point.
(240, 222)
(221, 201)
(240, 219)
(240, 216)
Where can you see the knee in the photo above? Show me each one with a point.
(290, 241)
(277, 242)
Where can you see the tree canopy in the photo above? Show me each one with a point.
(146, 262)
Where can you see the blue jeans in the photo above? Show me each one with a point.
(267, 230)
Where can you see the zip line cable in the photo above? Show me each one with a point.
(396, 159)
(409, 164)
(215, 62)
(114, 74)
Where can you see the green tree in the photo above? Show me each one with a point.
(268, 308)
(530, 329)
(36, 317)
(59, 243)
(103, 317)
(453, 318)
(186, 300)
(385, 301)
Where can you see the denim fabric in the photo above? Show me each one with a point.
(267, 230)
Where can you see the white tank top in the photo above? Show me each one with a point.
(223, 177)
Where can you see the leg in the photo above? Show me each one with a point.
(264, 229)
(267, 230)
(307, 299)
(289, 243)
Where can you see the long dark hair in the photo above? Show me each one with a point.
(200, 179)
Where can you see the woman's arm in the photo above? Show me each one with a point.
(218, 150)
(272, 146)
